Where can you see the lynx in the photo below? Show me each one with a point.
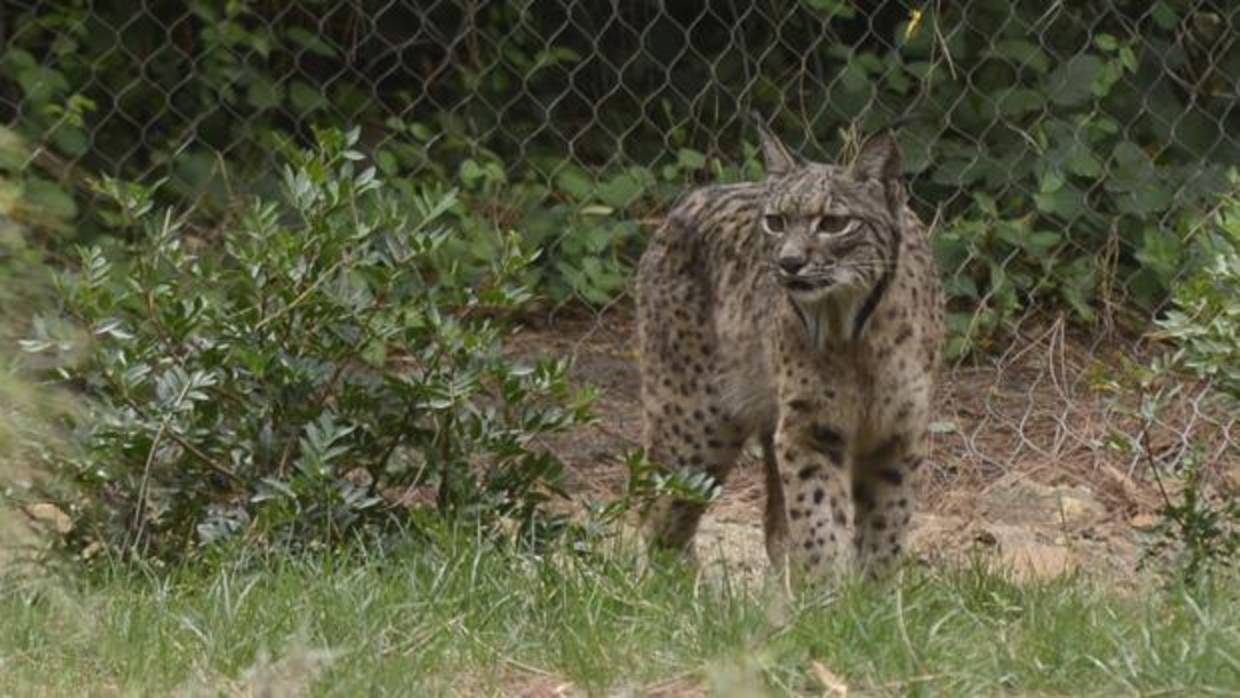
(806, 310)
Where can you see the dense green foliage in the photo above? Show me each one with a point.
(301, 372)
(1068, 148)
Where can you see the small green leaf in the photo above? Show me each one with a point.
(470, 172)
(42, 84)
(48, 198)
(71, 140)
(1164, 16)
(310, 42)
(1023, 53)
(14, 152)
(1043, 240)
(1017, 101)
(387, 163)
(305, 99)
(622, 190)
(264, 93)
(1072, 83)
(1051, 182)
(690, 159)
(574, 181)
(1083, 162)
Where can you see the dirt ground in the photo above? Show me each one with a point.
(1034, 463)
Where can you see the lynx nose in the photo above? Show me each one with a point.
(792, 263)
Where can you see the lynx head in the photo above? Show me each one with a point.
(835, 228)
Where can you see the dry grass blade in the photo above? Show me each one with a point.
(832, 685)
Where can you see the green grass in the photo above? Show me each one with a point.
(456, 619)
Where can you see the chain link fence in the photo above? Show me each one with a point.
(1070, 153)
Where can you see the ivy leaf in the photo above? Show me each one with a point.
(1022, 53)
(310, 42)
(690, 159)
(42, 84)
(304, 98)
(623, 189)
(264, 93)
(575, 182)
(1071, 84)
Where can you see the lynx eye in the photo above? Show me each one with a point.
(774, 223)
(834, 225)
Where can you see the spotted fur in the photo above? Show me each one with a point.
(806, 310)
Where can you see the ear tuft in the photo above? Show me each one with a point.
(778, 159)
(879, 159)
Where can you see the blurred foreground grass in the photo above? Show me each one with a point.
(455, 616)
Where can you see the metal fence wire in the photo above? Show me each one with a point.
(1069, 152)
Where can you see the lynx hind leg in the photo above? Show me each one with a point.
(883, 499)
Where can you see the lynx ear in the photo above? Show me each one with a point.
(879, 159)
(779, 160)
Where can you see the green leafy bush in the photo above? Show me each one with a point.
(1201, 524)
(300, 375)
(1205, 320)
(587, 241)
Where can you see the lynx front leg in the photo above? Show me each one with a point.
(883, 497)
(775, 522)
(813, 470)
